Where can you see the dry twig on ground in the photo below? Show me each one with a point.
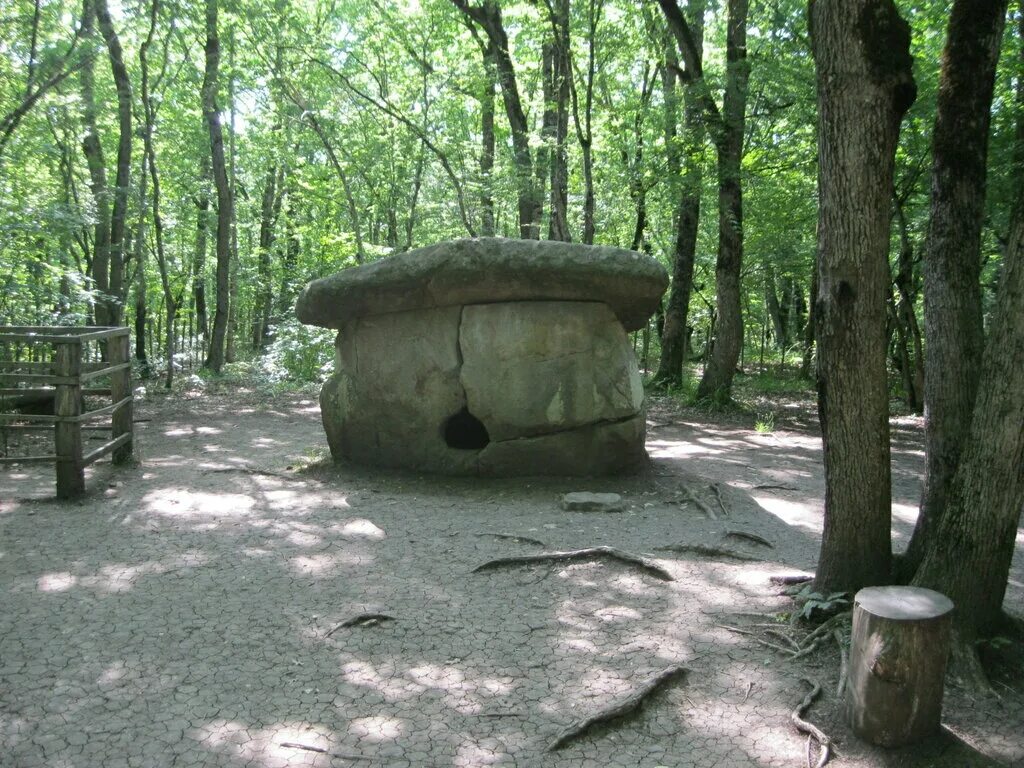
(573, 555)
(512, 537)
(718, 495)
(797, 718)
(626, 706)
(362, 620)
(843, 663)
(322, 751)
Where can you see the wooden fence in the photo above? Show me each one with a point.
(66, 366)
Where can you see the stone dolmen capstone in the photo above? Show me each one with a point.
(488, 356)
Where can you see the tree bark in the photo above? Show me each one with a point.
(202, 202)
(487, 142)
(952, 260)
(119, 214)
(865, 85)
(225, 200)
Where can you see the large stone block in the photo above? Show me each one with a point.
(532, 368)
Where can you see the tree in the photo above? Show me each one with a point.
(952, 261)
(865, 85)
(726, 127)
(225, 198)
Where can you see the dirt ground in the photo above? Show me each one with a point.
(187, 612)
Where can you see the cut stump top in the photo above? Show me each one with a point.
(903, 603)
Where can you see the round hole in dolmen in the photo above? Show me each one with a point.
(466, 432)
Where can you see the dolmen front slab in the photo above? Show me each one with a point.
(488, 356)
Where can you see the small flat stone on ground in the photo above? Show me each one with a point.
(584, 501)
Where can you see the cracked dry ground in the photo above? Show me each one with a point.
(182, 614)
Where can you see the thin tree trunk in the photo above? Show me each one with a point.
(561, 74)
(264, 290)
(93, 151)
(675, 338)
(911, 347)
(716, 383)
(231, 332)
(140, 273)
(771, 300)
(487, 145)
(119, 214)
(865, 85)
(952, 259)
(809, 330)
(530, 200)
(202, 201)
(225, 201)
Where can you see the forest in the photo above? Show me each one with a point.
(836, 191)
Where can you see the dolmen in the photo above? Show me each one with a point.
(488, 356)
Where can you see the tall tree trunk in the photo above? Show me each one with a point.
(561, 74)
(675, 337)
(969, 555)
(584, 124)
(952, 260)
(865, 85)
(530, 200)
(119, 214)
(231, 332)
(140, 274)
(906, 316)
(771, 300)
(716, 382)
(269, 208)
(809, 327)
(225, 201)
(149, 112)
(487, 143)
(202, 201)
(92, 148)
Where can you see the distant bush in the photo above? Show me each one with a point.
(298, 353)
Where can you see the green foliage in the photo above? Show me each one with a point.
(765, 423)
(815, 604)
(298, 353)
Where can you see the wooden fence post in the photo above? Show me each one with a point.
(120, 388)
(68, 429)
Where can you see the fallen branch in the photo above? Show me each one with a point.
(797, 718)
(512, 537)
(718, 495)
(627, 706)
(738, 534)
(590, 553)
(706, 551)
(322, 751)
(362, 620)
(691, 496)
(790, 579)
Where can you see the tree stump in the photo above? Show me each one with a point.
(898, 654)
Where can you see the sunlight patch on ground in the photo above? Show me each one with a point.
(673, 449)
(56, 582)
(326, 564)
(183, 503)
(358, 528)
(792, 512)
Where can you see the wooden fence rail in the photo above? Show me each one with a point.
(61, 378)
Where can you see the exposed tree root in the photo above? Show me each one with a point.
(246, 470)
(776, 487)
(322, 751)
(738, 534)
(572, 555)
(797, 718)
(706, 551)
(844, 667)
(512, 537)
(626, 706)
(362, 620)
(756, 639)
(691, 496)
(718, 495)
